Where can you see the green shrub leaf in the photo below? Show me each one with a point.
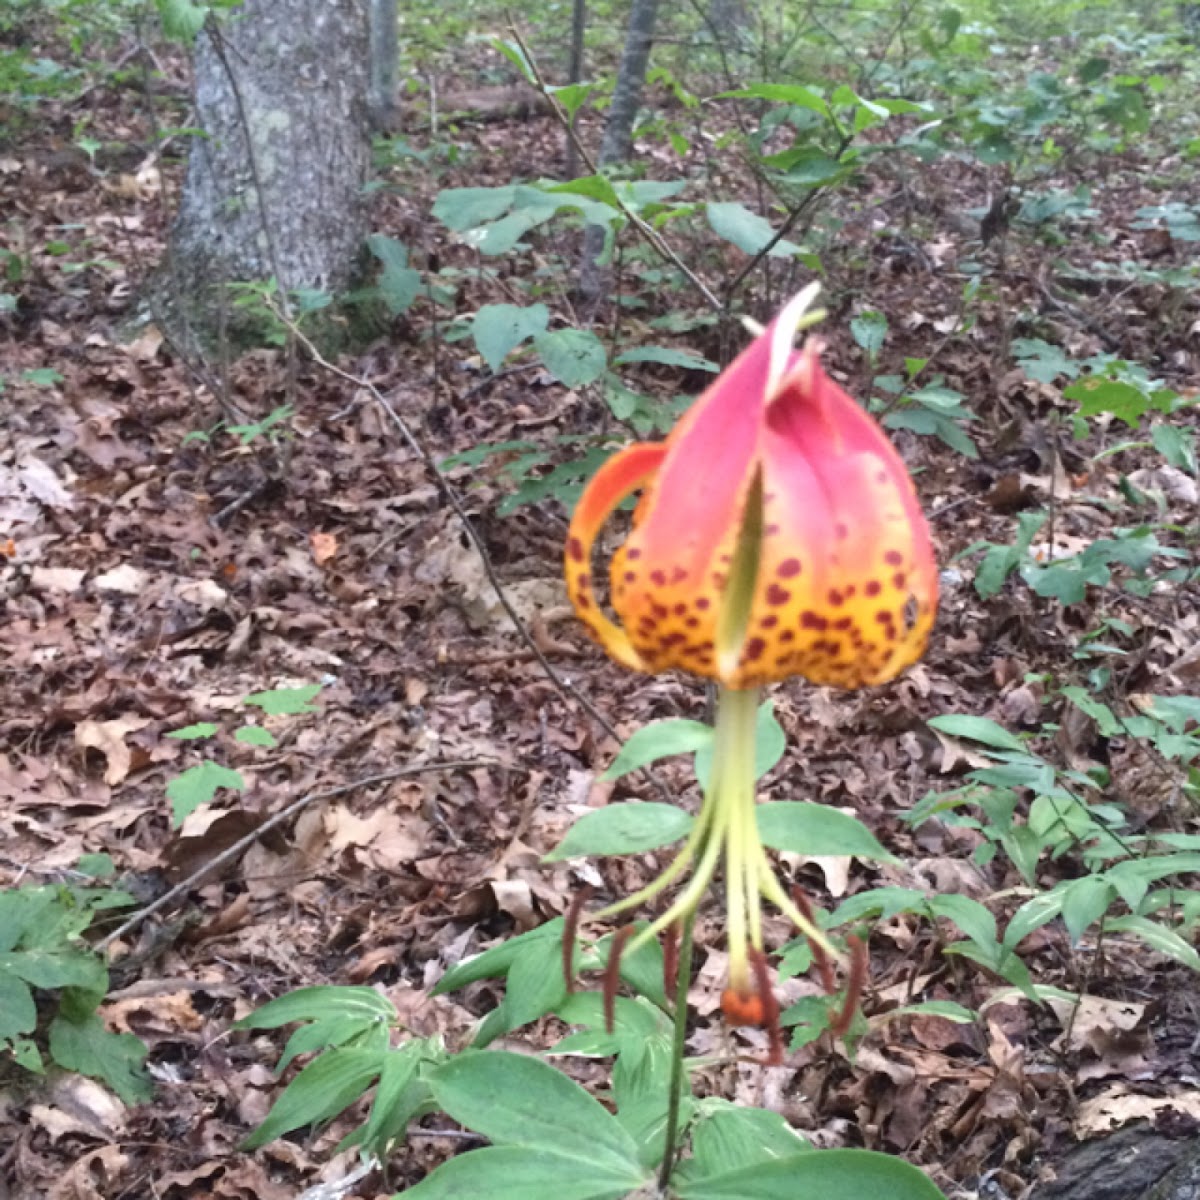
(623, 829)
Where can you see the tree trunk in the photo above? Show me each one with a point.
(617, 143)
(631, 78)
(286, 202)
(385, 52)
(728, 20)
(575, 73)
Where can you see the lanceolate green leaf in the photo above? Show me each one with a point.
(496, 960)
(806, 828)
(977, 729)
(659, 739)
(286, 701)
(1158, 937)
(729, 1137)
(325, 1087)
(623, 829)
(521, 1173)
(535, 984)
(823, 1174)
(514, 1099)
(315, 1003)
(748, 231)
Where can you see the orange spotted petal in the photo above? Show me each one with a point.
(624, 473)
(669, 578)
(847, 583)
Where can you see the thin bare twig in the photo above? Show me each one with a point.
(455, 502)
(284, 814)
(648, 234)
(563, 685)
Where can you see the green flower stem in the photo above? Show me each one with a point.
(737, 716)
(683, 981)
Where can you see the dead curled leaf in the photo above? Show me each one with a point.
(1119, 1106)
(324, 547)
(109, 738)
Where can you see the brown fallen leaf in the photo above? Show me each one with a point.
(324, 547)
(109, 738)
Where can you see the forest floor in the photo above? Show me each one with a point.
(154, 581)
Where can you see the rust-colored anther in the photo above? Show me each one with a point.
(570, 928)
(824, 966)
(612, 975)
(855, 983)
(671, 958)
(770, 1007)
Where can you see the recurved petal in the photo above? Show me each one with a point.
(847, 581)
(626, 472)
(669, 577)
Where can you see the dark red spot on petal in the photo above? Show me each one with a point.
(899, 579)
(873, 588)
(841, 531)
(658, 578)
(583, 600)
(575, 549)
(692, 622)
(788, 635)
(659, 610)
(630, 576)
(836, 598)
(633, 553)
(812, 620)
(843, 623)
(703, 602)
(777, 595)
(788, 568)
(754, 649)
(678, 575)
(771, 530)
(679, 609)
(718, 579)
(893, 558)
(769, 622)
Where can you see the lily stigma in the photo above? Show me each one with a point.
(778, 533)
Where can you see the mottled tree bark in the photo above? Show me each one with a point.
(728, 19)
(617, 143)
(631, 78)
(385, 52)
(575, 73)
(284, 202)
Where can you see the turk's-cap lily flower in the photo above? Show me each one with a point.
(778, 534)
